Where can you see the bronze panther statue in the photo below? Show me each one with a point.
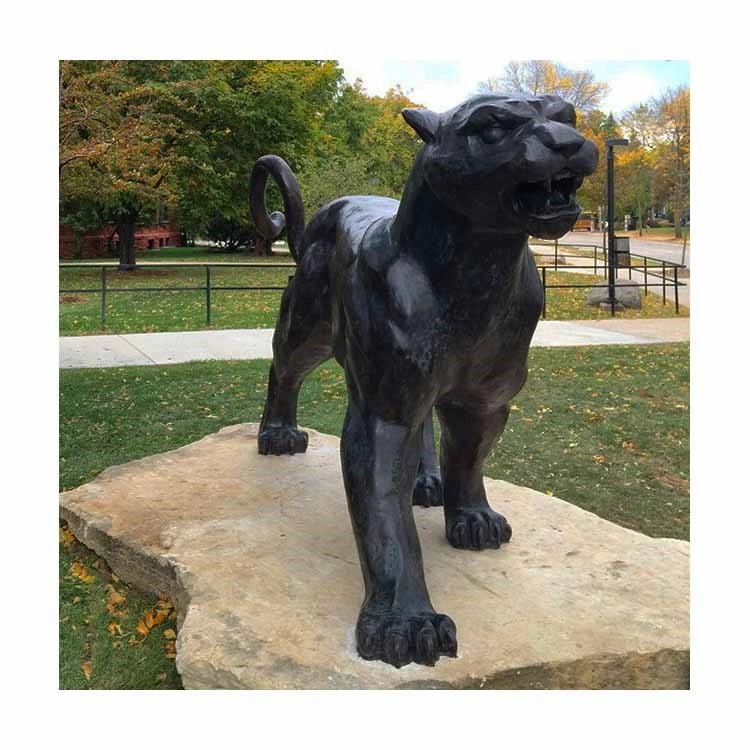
(430, 302)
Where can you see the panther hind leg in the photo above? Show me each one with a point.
(302, 341)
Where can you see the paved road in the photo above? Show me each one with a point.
(671, 251)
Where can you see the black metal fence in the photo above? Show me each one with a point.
(655, 273)
(209, 288)
(651, 273)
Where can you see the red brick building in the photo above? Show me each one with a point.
(96, 242)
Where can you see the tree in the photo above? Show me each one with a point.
(640, 125)
(346, 121)
(242, 110)
(136, 136)
(635, 178)
(325, 178)
(672, 151)
(390, 143)
(532, 77)
(117, 148)
(597, 126)
(364, 147)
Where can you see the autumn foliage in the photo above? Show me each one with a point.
(140, 139)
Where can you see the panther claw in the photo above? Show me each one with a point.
(477, 529)
(281, 440)
(428, 491)
(399, 639)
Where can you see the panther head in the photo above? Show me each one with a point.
(508, 163)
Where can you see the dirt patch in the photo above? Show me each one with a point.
(676, 482)
(70, 299)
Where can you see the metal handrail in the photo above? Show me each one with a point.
(648, 263)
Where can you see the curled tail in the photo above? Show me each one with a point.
(270, 226)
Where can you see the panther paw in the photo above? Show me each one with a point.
(477, 529)
(428, 491)
(281, 440)
(401, 639)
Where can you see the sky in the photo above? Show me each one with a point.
(440, 85)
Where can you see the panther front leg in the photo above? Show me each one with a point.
(467, 437)
(397, 622)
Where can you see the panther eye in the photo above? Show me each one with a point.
(566, 116)
(492, 133)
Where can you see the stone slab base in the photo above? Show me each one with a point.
(258, 555)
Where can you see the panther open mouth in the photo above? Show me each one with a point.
(548, 199)
(548, 207)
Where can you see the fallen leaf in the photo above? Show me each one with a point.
(142, 628)
(78, 570)
(114, 600)
(169, 634)
(114, 628)
(86, 666)
(66, 537)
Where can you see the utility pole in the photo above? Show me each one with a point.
(610, 143)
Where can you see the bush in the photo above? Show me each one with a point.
(230, 234)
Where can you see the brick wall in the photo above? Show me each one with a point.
(95, 242)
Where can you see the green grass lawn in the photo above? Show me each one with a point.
(178, 310)
(145, 312)
(606, 428)
(111, 636)
(570, 304)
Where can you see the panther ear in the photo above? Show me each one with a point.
(424, 121)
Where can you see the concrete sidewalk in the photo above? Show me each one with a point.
(191, 346)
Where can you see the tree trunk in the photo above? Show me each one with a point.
(262, 246)
(126, 226)
(77, 244)
(640, 219)
(678, 192)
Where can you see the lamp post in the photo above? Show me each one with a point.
(610, 143)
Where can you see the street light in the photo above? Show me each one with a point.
(610, 143)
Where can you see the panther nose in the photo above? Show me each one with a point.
(559, 137)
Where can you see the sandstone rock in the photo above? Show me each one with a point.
(258, 554)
